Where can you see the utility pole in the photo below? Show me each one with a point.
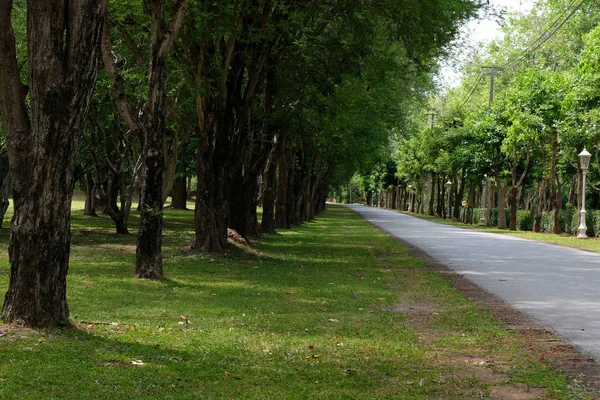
(485, 220)
(432, 114)
(493, 69)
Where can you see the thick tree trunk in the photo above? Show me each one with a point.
(148, 260)
(63, 50)
(242, 217)
(211, 209)
(179, 194)
(148, 257)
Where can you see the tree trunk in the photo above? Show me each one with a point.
(148, 260)
(148, 263)
(502, 189)
(459, 196)
(90, 198)
(441, 190)
(179, 194)
(573, 191)
(269, 194)
(432, 195)
(539, 207)
(281, 213)
(211, 212)
(63, 54)
(555, 189)
(4, 189)
(513, 208)
(469, 214)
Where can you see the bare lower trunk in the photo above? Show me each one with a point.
(459, 197)
(42, 145)
(555, 189)
(469, 215)
(281, 205)
(242, 217)
(269, 194)
(502, 189)
(432, 195)
(539, 207)
(148, 260)
(90, 198)
(4, 190)
(573, 191)
(179, 194)
(211, 210)
(513, 208)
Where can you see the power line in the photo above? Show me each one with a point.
(530, 49)
(545, 37)
(542, 35)
(472, 90)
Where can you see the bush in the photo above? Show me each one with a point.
(569, 220)
(524, 220)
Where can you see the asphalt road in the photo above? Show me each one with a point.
(558, 286)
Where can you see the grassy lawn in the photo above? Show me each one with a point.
(332, 309)
(591, 244)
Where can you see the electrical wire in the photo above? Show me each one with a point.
(533, 47)
(518, 56)
(472, 90)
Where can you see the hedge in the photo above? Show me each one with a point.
(569, 220)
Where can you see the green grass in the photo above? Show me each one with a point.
(591, 244)
(321, 311)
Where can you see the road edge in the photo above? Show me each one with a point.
(540, 339)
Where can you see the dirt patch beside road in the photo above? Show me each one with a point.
(540, 340)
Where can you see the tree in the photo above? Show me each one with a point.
(149, 123)
(43, 136)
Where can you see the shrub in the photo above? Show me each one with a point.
(524, 220)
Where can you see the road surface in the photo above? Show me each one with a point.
(558, 286)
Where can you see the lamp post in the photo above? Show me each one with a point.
(482, 220)
(448, 187)
(584, 163)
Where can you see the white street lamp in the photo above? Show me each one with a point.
(584, 163)
(482, 220)
(448, 187)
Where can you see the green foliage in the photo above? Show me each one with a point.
(524, 220)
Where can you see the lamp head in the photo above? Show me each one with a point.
(584, 159)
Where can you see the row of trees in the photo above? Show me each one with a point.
(545, 111)
(264, 100)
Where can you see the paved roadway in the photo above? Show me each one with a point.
(559, 286)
